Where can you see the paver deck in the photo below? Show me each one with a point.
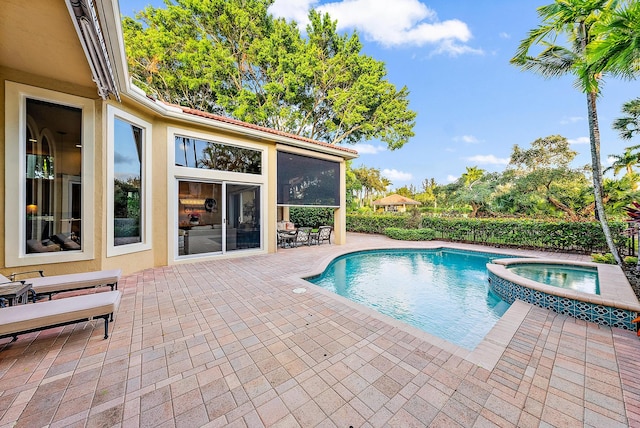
(227, 343)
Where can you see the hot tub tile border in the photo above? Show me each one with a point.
(586, 311)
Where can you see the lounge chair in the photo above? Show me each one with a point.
(66, 242)
(28, 318)
(50, 285)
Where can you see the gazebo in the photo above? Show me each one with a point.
(395, 203)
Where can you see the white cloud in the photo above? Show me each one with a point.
(406, 22)
(394, 175)
(610, 160)
(467, 139)
(488, 160)
(579, 140)
(296, 10)
(369, 149)
(504, 35)
(572, 119)
(452, 48)
(451, 178)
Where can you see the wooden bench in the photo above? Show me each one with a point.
(28, 318)
(50, 285)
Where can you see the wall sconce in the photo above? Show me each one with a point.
(32, 209)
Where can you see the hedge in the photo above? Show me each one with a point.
(311, 217)
(410, 234)
(582, 237)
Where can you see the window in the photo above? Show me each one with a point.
(196, 153)
(50, 224)
(218, 194)
(128, 176)
(49, 145)
(306, 181)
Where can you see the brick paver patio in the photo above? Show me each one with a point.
(227, 343)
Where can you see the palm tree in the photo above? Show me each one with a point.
(627, 161)
(472, 175)
(617, 49)
(629, 125)
(573, 21)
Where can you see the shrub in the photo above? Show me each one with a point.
(311, 217)
(414, 221)
(631, 260)
(409, 234)
(582, 237)
(375, 223)
(606, 258)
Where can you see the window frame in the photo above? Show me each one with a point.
(146, 221)
(177, 173)
(16, 95)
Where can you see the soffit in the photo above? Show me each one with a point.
(38, 37)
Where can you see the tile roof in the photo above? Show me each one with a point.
(396, 199)
(236, 122)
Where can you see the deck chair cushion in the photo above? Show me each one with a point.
(37, 316)
(73, 281)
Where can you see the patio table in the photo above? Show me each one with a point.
(15, 292)
(313, 235)
(286, 237)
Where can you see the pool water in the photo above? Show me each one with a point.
(576, 278)
(443, 292)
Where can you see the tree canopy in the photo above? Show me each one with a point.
(232, 57)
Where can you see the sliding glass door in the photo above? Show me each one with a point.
(217, 217)
(243, 216)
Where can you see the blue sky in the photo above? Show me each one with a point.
(472, 105)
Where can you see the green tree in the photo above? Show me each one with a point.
(470, 192)
(428, 194)
(544, 175)
(572, 21)
(477, 189)
(352, 186)
(231, 57)
(372, 182)
(406, 191)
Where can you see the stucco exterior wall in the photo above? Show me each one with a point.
(64, 71)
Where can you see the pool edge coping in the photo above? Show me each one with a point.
(485, 355)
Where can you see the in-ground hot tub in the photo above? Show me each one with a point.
(616, 305)
(570, 277)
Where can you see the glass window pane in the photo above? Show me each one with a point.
(196, 153)
(127, 186)
(303, 180)
(243, 214)
(53, 182)
(199, 217)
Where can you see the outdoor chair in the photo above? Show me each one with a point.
(323, 234)
(287, 238)
(303, 236)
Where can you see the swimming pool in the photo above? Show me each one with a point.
(443, 291)
(578, 278)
